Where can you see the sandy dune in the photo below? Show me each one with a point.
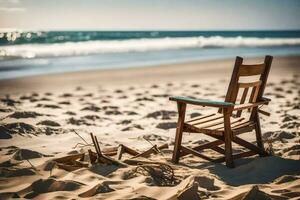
(40, 114)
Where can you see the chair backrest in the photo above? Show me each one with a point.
(252, 91)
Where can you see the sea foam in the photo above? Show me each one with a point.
(139, 45)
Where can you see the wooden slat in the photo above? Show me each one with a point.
(251, 70)
(179, 130)
(206, 120)
(201, 102)
(254, 94)
(228, 139)
(233, 81)
(247, 105)
(239, 112)
(243, 129)
(218, 149)
(200, 118)
(233, 121)
(213, 133)
(188, 150)
(210, 124)
(241, 124)
(208, 145)
(248, 145)
(251, 84)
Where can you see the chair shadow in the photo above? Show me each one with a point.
(254, 170)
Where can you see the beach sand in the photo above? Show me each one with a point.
(42, 116)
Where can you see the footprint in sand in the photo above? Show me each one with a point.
(78, 88)
(290, 125)
(162, 114)
(288, 118)
(66, 95)
(21, 128)
(123, 97)
(118, 91)
(131, 88)
(124, 122)
(24, 114)
(132, 127)
(92, 108)
(48, 123)
(5, 110)
(79, 122)
(70, 113)
(48, 106)
(278, 135)
(154, 86)
(48, 94)
(24, 97)
(64, 102)
(166, 125)
(90, 117)
(45, 99)
(278, 89)
(130, 113)
(110, 107)
(9, 102)
(113, 112)
(88, 95)
(195, 86)
(153, 137)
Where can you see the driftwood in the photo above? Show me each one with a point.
(101, 158)
(71, 163)
(70, 158)
(76, 161)
(152, 150)
(125, 149)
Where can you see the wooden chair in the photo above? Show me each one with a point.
(227, 123)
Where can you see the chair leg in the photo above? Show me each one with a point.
(181, 112)
(228, 141)
(259, 140)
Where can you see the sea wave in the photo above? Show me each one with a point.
(139, 45)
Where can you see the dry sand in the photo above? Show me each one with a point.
(38, 115)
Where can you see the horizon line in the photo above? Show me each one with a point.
(136, 30)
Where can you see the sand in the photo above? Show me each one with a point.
(39, 115)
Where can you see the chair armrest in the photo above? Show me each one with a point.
(249, 105)
(201, 102)
(265, 99)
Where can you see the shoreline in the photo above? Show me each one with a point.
(195, 70)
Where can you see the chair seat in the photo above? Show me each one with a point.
(214, 124)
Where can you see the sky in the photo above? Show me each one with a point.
(150, 14)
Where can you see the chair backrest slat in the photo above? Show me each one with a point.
(243, 99)
(245, 71)
(251, 70)
(251, 84)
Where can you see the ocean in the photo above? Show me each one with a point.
(26, 53)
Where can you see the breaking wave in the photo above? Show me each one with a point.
(139, 45)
